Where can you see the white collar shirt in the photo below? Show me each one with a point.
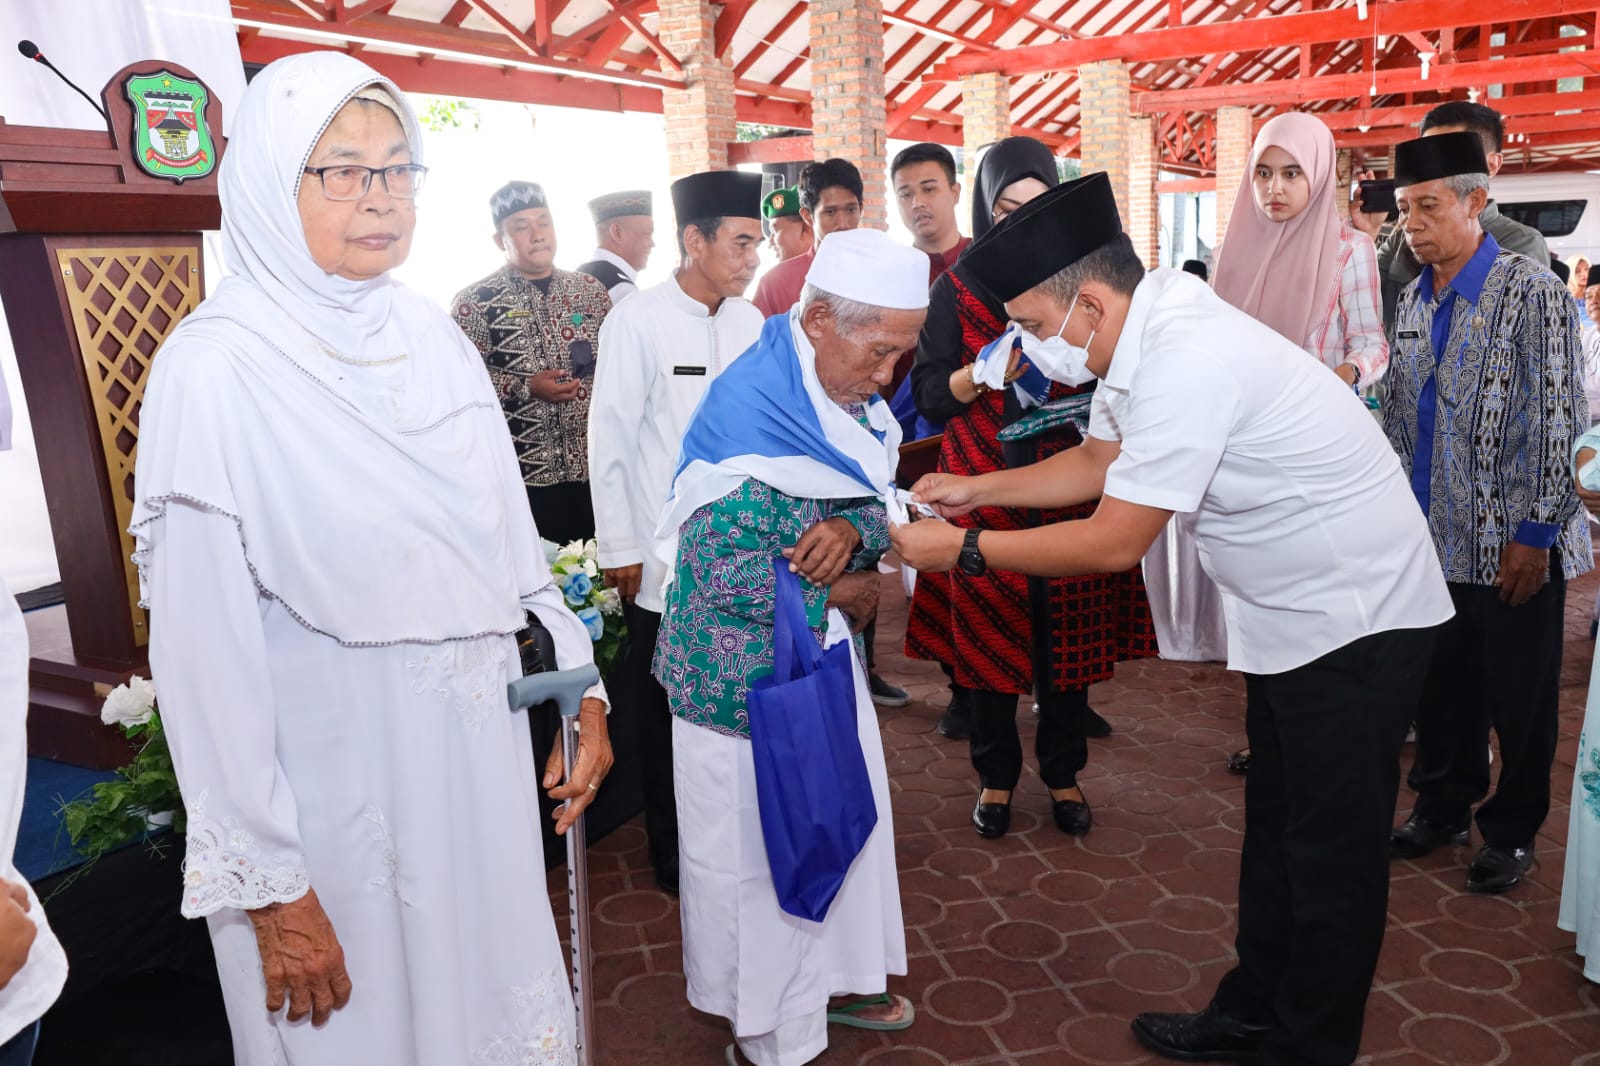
(1302, 514)
(34, 987)
(621, 288)
(659, 352)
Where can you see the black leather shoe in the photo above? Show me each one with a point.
(991, 819)
(1204, 1037)
(1072, 816)
(1498, 869)
(1098, 726)
(1239, 762)
(1418, 835)
(667, 881)
(956, 722)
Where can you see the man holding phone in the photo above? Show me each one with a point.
(1397, 267)
(538, 329)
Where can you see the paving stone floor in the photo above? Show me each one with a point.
(1038, 948)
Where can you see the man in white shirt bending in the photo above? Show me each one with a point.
(668, 343)
(1330, 584)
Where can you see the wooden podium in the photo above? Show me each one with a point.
(100, 257)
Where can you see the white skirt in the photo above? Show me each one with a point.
(1185, 603)
(744, 957)
(1580, 884)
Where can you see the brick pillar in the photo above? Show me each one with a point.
(1234, 134)
(985, 112)
(1106, 125)
(1143, 220)
(849, 118)
(699, 117)
(1343, 168)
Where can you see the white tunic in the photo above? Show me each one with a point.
(34, 987)
(661, 349)
(745, 958)
(403, 791)
(1300, 510)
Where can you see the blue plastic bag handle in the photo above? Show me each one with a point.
(790, 626)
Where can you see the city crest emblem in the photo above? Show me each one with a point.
(170, 135)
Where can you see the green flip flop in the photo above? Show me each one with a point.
(847, 1015)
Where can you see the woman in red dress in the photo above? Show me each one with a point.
(1003, 635)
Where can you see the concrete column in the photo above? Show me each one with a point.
(1234, 134)
(1106, 125)
(1143, 217)
(849, 118)
(699, 117)
(985, 113)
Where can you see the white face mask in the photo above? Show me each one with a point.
(1055, 358)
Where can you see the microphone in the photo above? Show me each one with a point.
(31, 51)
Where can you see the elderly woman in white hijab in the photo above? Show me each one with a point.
(336, 551)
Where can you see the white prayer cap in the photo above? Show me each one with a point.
(867, 266)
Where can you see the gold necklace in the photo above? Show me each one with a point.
(331, 354)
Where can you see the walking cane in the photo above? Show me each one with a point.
(566, 688)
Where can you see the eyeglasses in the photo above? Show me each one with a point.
(351, 182)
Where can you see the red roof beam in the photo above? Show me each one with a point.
(1519, 125)
(429, 37)
(449, 77)
(1509, 106)
(1276, 31)
(1448, 77)
(630, 17)
(348, 11)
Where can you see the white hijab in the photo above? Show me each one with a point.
(369, 526)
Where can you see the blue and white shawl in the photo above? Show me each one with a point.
(767, 417)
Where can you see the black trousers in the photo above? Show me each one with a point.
(1314, 875)
(652, 719)
(1498, 666)
(563, 511)
(1061, 743)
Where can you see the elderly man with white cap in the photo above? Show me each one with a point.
(788, 457)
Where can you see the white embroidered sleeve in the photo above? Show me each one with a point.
(214, 690)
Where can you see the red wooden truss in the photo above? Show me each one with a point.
(1370, 68)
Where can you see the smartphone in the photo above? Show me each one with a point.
(1377, 195)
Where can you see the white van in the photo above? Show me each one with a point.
(1563, 207)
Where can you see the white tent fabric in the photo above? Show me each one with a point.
(198, 34)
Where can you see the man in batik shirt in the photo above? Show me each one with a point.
(1486, 398)
(538, 329)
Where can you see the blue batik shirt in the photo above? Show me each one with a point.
(1485, 400)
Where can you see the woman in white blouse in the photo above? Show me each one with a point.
(1291, 262)
(336, 550)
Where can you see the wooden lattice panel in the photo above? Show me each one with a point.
(124, 302)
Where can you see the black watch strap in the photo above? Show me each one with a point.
(971, 559)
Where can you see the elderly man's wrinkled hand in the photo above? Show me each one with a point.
(856, 594)
(1523, 572)
(949, 494)
(823, 551)
(301, 959)
(594, 763)
(928, 545)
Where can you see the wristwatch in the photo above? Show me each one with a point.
(971, 559)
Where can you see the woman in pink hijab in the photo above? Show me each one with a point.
(1290, 261)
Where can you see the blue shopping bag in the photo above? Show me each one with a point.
(812, 789)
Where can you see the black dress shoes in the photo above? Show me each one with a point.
(1497, 870)
(1418, 835)
(1097, 726)
(991, 819)
(667, 879)
(1072, 816)
(1239, 762)
(1204, 1037)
